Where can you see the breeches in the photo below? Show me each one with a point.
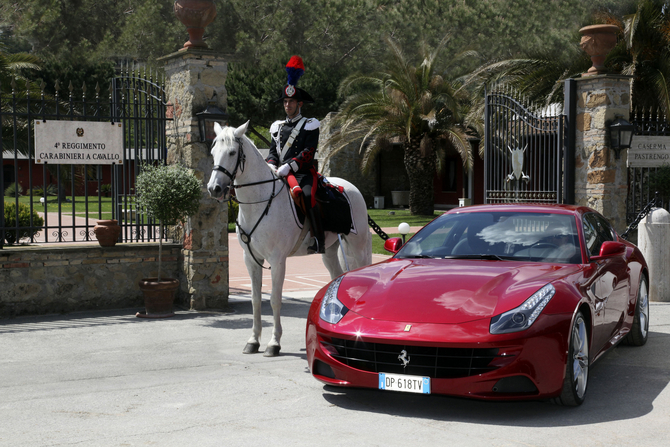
(307, 192)
(306, 182)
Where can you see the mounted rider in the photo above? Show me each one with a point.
(293, 149)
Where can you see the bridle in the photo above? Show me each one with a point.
(241, 159)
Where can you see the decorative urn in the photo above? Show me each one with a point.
(195, 15)
(597, 41)
(107, 232)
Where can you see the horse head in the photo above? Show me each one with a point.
(229, 159)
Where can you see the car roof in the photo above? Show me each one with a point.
(524, 207)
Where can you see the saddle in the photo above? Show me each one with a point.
(331, 202)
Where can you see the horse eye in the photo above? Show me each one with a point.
(233, 153)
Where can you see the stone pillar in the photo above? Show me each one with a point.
(193, 76)
(653, 234)
(600, 178)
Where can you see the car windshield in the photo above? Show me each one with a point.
(535, 237)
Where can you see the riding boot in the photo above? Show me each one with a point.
(318, 245)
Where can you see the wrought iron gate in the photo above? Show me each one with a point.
(134, 98)
(640, 187)
(524, 151)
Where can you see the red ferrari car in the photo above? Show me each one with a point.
(491, 302)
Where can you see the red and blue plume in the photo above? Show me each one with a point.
(295, 69)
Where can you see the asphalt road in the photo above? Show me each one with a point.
(110, 379)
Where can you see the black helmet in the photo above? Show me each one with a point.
(295, 69)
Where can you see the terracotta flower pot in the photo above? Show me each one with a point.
(158, 297)
(107, 232)
(195, 15)
(597, 41)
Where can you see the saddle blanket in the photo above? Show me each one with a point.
(337, 214)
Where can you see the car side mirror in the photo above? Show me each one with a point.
(393, 244)
(610, 249)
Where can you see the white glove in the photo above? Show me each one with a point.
(283, 170)
(273, 167)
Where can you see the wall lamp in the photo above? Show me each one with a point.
(621, 135)
(206, 119)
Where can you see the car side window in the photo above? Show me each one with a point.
(596, 231)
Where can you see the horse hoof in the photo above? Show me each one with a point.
(251, 348)
(271, 351)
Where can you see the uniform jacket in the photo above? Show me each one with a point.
(300, 156)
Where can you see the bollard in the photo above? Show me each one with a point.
(654, 242)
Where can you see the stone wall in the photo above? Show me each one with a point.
(388, 174)
(601, 178)
(44, 280)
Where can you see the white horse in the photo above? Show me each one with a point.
(267, 228)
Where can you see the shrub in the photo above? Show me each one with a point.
(40, 191)
(105, 189)
(233, 209)
(13, 190)
(169, 194)
(24, 221)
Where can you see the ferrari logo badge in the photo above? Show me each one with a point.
(404, 358)
(408, 327)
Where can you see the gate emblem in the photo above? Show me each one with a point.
(404, 358)
(517, 165)
(80, 132)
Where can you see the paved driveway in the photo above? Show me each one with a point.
(110, 379)
(302, 272)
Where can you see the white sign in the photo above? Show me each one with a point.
(649, 152)
(78, 142)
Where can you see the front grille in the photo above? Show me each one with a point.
(425, 361)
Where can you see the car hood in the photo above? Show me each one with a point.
(444, 290)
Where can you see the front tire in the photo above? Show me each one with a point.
(640, 330)
(577, 365)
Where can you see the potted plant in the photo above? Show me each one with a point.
(169, 194)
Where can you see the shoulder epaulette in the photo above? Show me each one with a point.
(312, 124)
(274, 128)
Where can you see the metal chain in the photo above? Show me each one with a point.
(647, 209)
(378, 230)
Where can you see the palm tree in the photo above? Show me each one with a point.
(643, 52)
(537, 78)
(410, 104)
(11, 67)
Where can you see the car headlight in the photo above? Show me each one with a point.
(332, 310)
(524, 316)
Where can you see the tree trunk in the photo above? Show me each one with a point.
(420, 166)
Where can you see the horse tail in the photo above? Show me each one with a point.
(377, 229)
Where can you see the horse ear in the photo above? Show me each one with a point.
(217, 128)
(241, 130)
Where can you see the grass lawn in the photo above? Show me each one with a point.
(385, 219)
(94, 209)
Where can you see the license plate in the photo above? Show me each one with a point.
(407, 384)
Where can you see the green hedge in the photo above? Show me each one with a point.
(24, 221)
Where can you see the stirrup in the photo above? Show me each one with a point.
(315, 247)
